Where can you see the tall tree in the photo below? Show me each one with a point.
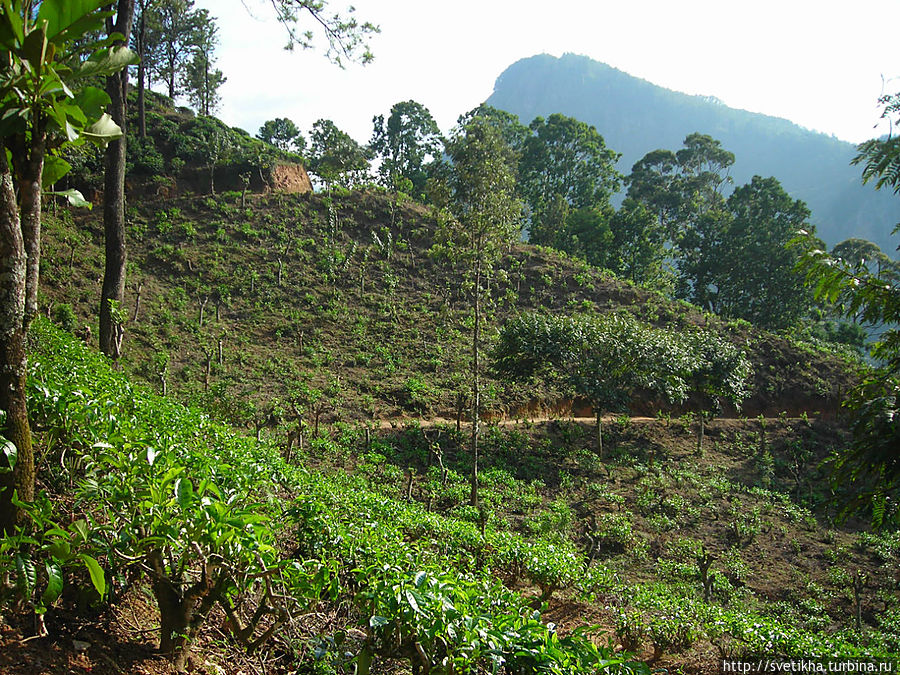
(637, 251)
(335, 157)
(118, 26)
(140, 45)
(568, 159)
(43, 56)
(486, 216)
(756, 279)
(201, 80)
(170, 33)
(685, 192)
(870, 467)
(283, 134)
(404, 141)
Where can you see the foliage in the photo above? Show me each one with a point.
(403, 142)
(201, 80)
(564, 159)
(283, 134)
(335, 157)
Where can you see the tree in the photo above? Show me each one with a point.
(44, 61)
(345, 34)
(140, 45)
(684, 190)
(568, 159)
(605, 359)
(113, 291)
(870, 467)
(335, 157)
(755, 277)
(637, 251)
(513, 132)
(201, 80)
(170, 32)
(283, 134)
(403, 142)
(485, 217)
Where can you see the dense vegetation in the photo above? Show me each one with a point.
(359, 527)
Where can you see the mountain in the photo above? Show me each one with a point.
(635, 116)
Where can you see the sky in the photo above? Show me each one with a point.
(821, 64)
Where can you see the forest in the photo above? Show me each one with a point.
(444, 403)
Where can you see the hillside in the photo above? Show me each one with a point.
(310, 512)
(350, 294)
(635, 117)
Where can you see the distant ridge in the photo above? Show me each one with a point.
(636, 116)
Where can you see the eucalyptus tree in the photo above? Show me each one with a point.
(335, 157)
(606, 360)
(283, 134)
(46, 56)
(201, 79)
(404, 142)
(485, 217)
(170, 31)
(755, 277)
(112, 293)
(685, 190)
(568, 159)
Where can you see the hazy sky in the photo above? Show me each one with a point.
(819, 64)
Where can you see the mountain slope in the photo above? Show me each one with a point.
(635, 116)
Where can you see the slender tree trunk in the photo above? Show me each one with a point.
(599, 414)
(15, 429)
(701, 432)
(114, 199)
(30, 177)
(142, 73)
(476, 389)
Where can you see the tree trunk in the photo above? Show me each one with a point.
(13, 266)
(114, 199)
(30, 177)
(142, 73)
(701, 432)
(599, 414)
(476, 398)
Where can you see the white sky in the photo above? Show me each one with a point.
(818, 63)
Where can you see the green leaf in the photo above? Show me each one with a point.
(11, 28)
(184, 492)
(107, 61)
(54, 169)
(420, 579)
(92, 101)
(75, 198)
(378, 621)
(26, 576)
(54, 584)
(35, 49)
(11, 452)
(151, 455)
(96, 572)
(103, 131)
(64, 15)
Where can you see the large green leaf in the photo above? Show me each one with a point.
(69, 15)
(107, 61)
(54, 169)
(92, 101)
(11, 452)
(11, 27)
(74, 197)
(102, 131)
(96, 572)
(54, 584)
